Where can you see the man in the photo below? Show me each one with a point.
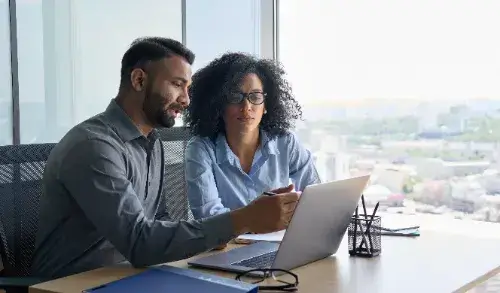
(102, 182)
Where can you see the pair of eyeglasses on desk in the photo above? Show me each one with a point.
(272, 279)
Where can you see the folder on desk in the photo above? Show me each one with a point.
(413, 231)
(172, 279)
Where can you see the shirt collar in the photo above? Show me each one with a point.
(224, 154)
(121, 122)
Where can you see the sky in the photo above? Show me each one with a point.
(424, 50)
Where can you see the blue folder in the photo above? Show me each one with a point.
(172, 279)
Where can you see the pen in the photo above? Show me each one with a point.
(368, 226)
(269, 193)
(396, 229)
(364, 205)
(355, 241)
(365, 215)
(371, 222)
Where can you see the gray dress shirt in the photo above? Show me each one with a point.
(101, 193)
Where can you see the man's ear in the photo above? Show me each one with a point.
(138, 79)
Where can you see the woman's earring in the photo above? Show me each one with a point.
(265, 111)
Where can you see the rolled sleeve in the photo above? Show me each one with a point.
(94, 173)
(302, 169)
(202, 189)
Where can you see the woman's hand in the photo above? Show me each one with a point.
(285, 189)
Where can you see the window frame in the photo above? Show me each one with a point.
(14, 69)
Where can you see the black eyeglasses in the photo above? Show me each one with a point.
(255, 98)
(286, 281)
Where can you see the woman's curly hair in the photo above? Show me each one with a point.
(213, 83)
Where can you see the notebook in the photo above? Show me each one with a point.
(271, 237)
(172, 279)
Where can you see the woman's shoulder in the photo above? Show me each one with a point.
(285, 141)
(200, 143)
(286, 137)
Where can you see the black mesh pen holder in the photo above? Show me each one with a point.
(364, 238)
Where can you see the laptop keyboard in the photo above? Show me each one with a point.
(258, 261)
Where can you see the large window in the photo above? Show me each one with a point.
(217, 26)
(5, 76)
(406, 90)
(70, 53)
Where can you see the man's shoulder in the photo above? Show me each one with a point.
(95, 128)
(93, 131)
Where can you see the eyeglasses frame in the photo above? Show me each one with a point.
(287, 287)
(247, 96)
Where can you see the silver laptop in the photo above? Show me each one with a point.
(316, 230)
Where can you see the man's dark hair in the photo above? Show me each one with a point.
(213, 83)
(148, 49)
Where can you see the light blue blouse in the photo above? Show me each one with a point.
(217, 184)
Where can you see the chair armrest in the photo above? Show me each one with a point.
(19, 282)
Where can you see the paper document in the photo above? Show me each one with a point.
(271, 237)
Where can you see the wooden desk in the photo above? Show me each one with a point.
(434, 262)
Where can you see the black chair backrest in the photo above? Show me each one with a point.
(174, 202)
(21, 172)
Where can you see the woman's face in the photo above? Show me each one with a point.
(244, 108)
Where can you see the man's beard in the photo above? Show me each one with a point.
(167, 121)
(154, 107)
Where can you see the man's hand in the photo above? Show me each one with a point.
(265, 214)
(221, 247)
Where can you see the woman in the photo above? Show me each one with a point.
(241, 113)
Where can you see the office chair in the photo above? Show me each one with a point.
(174, 202)
(21, 171)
